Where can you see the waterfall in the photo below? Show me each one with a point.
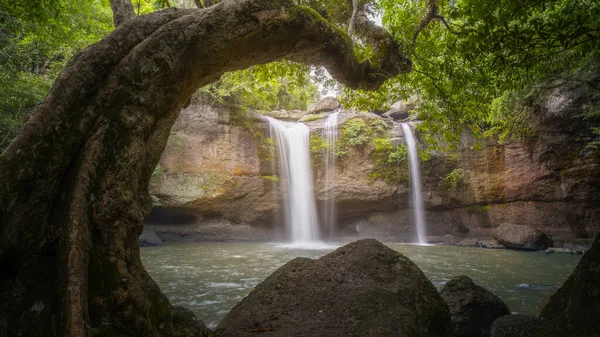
(415, 177)
(296, 179)
(330, 133)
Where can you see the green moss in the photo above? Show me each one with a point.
(158, 172)
(271, 178)
(243, 119)
(378, 126)
(313, 118)
(355, 132)
(455, 179)
(318, 146)
(266, 147)
(474, 209)
(391, 163)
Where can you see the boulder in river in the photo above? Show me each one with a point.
(522, 237)
(516, 326)
(149, 238)
(361, 289)
(473, 309)
(575, 308)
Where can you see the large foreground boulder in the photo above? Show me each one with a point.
(575, 308)
(472, 308)
(516, 326)
(361, 289)
(522, 237)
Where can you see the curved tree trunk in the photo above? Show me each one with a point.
(74, 183)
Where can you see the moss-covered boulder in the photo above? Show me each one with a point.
(361, 289)
(473, 309)
(575, 308)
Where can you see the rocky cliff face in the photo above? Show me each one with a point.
(549, 182)
(218, 168)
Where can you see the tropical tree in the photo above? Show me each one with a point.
(75, 179)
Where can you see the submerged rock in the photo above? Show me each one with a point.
(516, 326)
(473, 309)
(575, 308)
(361, 289)
(149, 238)
(522, 237)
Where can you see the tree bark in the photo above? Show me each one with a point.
(122, 11)
(74, 182)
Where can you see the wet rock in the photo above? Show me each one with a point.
(575, 308)
(472, 308)
(564, 251)
(326, 104)
(490, 244)
(516, 326)
(361, 289)
(433, 239)
(468, 242)
(149, 238)
(449, 239)
(522, 237)
(579, 244)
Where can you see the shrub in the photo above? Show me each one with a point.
(391, 163)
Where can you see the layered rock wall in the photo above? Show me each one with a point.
(218, 168)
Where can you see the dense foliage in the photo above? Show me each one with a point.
(279, 85)
(476, 61)
(37, 38)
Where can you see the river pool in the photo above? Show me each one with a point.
(210, 278)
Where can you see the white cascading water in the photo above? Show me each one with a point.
(330, 133)
(415, 177)
(296, 180)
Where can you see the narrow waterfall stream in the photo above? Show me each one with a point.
(296, 180)
(415, 177)
(330, 133)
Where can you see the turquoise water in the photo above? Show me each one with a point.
(210, 278)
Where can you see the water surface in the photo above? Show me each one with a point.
(210, 278)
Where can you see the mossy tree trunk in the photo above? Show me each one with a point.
(74, 183)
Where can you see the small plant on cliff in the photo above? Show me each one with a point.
(355, 132)
(453, 180)
(390, 162)
(266, 147)
(274, 179)
(595, 144)
(318, 145)
(313, 118)
(379, 126)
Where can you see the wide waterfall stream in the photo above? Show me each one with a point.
(295, 172)
(210, 278)
(415, 178)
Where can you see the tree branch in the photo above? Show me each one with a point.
(353, 17)
(122, 11)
